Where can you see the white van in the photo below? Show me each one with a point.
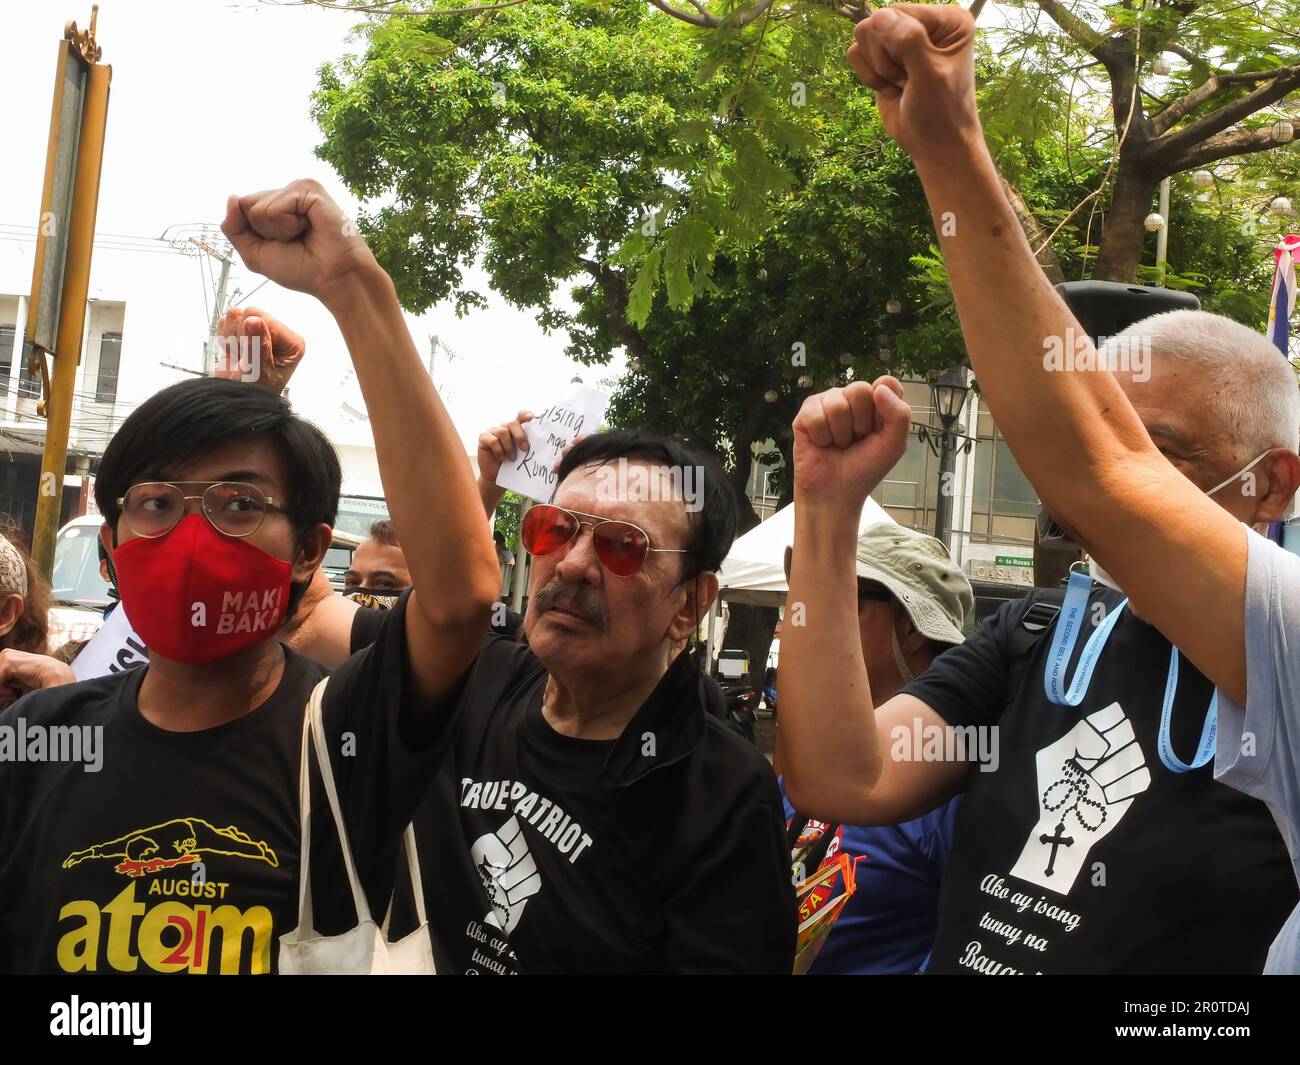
(80, 591)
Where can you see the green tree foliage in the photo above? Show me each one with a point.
(723, 205)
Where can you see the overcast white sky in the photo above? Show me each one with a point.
(210, 97)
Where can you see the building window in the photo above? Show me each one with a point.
(1003, 502)
(6, 353)
(110, 354)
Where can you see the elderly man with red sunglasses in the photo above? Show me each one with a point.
(596, 813)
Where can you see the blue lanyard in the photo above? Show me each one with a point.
(1209, 730)
(1066, 636)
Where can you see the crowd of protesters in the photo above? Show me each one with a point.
(561, 793)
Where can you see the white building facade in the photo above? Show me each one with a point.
(149, 312)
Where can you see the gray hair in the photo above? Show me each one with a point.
(1253, 390)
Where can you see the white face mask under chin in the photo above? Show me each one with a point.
(1101, 576)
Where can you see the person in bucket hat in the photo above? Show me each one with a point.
(913, 603)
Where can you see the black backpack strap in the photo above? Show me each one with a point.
(1035, 623)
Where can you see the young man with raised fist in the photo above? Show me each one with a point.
(178, 852)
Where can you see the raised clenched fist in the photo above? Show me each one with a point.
(252, 346)
(920, 59)
(847, 439)
(299, 238)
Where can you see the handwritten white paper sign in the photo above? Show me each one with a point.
(532, 474)
(113, 648)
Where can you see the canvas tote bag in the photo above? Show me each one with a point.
(365, 949)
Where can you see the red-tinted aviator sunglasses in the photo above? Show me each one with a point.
(621, 546)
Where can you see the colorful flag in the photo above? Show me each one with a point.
(1283, 302)
(1281, 306)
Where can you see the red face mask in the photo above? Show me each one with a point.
(195, 595)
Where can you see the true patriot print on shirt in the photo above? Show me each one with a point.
(505, 864)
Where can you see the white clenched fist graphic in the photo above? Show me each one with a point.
(508, 872)
(1087, 780)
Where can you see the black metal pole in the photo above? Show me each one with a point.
(943, 503)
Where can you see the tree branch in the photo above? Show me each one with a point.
(1180, 108)
(1038, 240)
(1193, 60)
(615, 289)
(1224, 145)
(705, 20)
(1184, 142)
(1208, 89)
(1080, 31)
(756, 12)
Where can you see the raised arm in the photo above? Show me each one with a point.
(299, 238)
(834, 739)
(1180, 556)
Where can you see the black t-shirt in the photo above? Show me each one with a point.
(661, 851)
(181, 852)
(1082, 852)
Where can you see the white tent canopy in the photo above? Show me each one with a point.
(754, 571)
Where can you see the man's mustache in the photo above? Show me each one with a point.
(583, 601)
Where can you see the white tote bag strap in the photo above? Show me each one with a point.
(413, 864)
(316, 722)
(304, 807)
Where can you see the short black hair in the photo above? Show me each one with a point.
(714, 524)
(182, 422)
(383, 531)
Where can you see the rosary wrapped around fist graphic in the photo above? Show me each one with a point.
(508, 872)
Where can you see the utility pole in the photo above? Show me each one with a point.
(1162, 234)
(61, 274)
(212, 355)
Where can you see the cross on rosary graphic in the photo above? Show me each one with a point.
(1075, 783)
(1056, 842)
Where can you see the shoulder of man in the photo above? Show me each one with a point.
(505, 668)
(741, 768)
(724, 757)
(66, 701)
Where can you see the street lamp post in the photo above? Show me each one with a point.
(948, 396)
